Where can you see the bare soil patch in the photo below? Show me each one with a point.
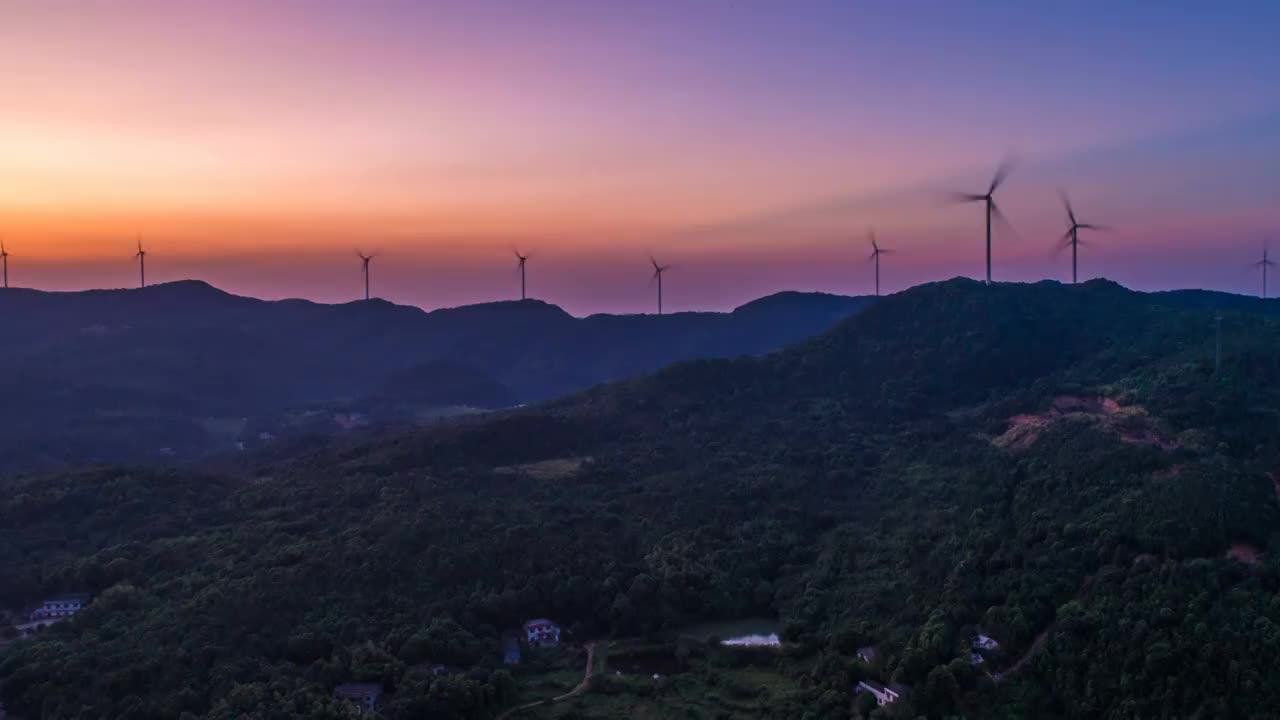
(1131, 423)
(1245, 553)
(555, 469)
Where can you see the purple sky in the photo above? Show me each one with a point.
(749, 144)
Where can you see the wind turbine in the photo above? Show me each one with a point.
(876, 252)
(4, 263)
(657, 276)
(1264, 263)
(521, 260)
(364, 259)
(142, 265)
(1072, 235)
(988, 198)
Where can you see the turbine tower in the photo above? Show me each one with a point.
(876, 252)
(520, 262)
(1265, 263)
(657, 277)
(1072, 235)
(142, 265)
(989, 200)
(4, 263)
(364, 259)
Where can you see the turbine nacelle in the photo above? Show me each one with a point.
(876, 250)
(1265, 262)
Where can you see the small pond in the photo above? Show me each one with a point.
(752, 632)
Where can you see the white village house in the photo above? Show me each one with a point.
(884, 695)
(60, 606)
(541, 632)
(982, 642)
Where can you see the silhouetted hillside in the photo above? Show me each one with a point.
(181, 368)
(1065, 469)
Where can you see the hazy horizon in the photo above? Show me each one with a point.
(748, 144)
(649, 311)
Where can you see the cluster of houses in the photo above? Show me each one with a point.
(887, 695)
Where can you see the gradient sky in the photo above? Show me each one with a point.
(750, 144)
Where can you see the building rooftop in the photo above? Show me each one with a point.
(357, 690)
(872, 684)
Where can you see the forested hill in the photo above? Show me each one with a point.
(180, 369)
(1062, 468)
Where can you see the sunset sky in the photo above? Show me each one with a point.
(748, 143)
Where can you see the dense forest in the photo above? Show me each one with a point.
(1071, 470)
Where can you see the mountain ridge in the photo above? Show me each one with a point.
(194, 369)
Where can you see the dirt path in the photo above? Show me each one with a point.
(586, 676)
(1036, 645)
(1043, 637)
(578, 689)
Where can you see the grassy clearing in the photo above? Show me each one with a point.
(705, 684)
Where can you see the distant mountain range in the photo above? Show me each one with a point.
(183, 368)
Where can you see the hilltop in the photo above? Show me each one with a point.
(1060, 468)
(183, 369)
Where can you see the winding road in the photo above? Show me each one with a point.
(578, 689)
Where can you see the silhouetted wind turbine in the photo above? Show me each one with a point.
(4, 263)
(876, 252)
(988, 198)
(142, 264)
(521, 260)
(657, 276)
(1072, 236)
(1265, 263)
(364, 259)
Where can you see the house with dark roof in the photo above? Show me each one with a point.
(867, 654)
(541, 632)
(367, 697)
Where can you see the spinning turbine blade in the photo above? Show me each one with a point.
(1002, 172)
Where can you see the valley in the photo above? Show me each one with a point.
(184, 372)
